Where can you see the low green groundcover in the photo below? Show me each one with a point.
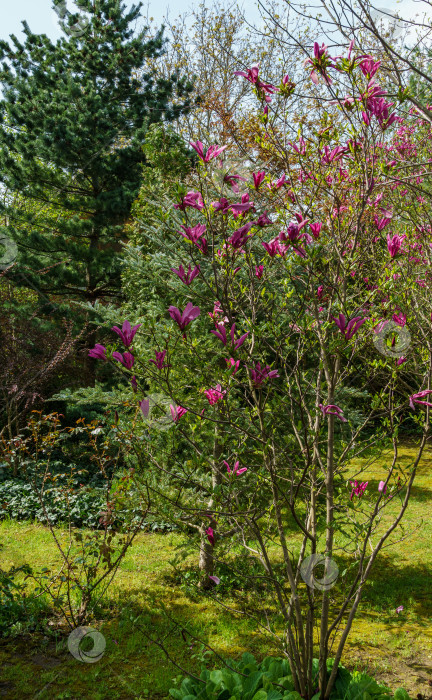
(271, 680)
(19, 501)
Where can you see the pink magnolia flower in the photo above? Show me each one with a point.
(316, 229)
(252, 76)
(369, 67)
(233, 363)
(126, 333)
(292, 233)
(191, 199)
(320, 63)
(381, 223)
(215, 579)
(98, 352)
(258, 178)
(263, 220)
(202, 246)
(335, 412)
(190, 313)
(400, 361)
(400, 319)
(177, 412)
(301, 148)
(215, 394)
(252, 73)
(379, 107)
(358, 489)
(235, 471)
(382, 487)
(384, 122)
(332, 155)
(240, 236)
(221, 205)
(320, 291)
(210, 535)
(258, 375)
(212, 152)
(127, 359)
(348, 329)
(394, 244)
(186, 277)
(266, 90)
(278, 184)
(415, 398)
(222, 335)
(193, 233)
(259, 269)
(159, 361)
(218, 310)
(242, 207)
(273, 248)
(399, 609)
(373, 91)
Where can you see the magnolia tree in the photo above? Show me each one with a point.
(400, 37)
(298, 338)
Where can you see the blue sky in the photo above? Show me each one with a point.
(43, 20)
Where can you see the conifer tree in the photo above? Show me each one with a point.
(74, 117)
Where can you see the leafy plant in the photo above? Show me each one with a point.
(19, 611)
(89, 560)
(82, 508)
(272, 680)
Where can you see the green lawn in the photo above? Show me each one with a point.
(396, 649)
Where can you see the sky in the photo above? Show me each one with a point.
(43, 19)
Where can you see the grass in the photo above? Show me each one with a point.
(397, 649)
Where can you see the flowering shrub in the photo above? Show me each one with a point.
(299, 279)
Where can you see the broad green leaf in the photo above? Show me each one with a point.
(260, 695)
(251, 683)
(176, 694)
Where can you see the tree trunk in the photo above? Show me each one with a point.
(206, 560)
